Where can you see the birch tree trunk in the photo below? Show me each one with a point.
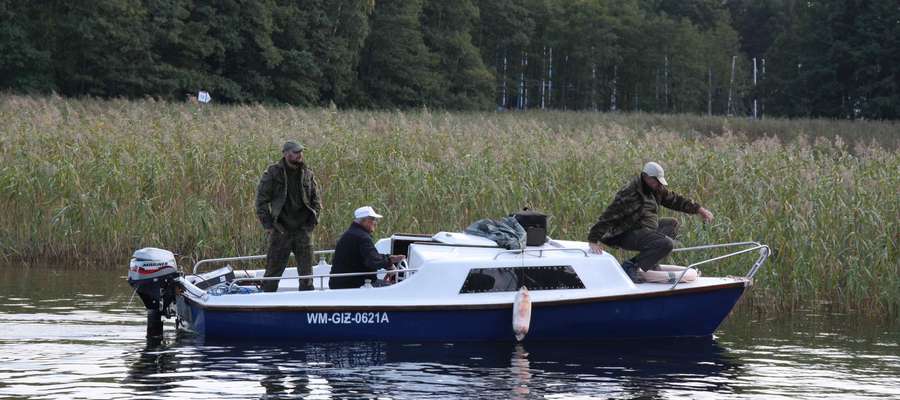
(730, 110)
(594, 86)
(755, 115)
(543, 81)
(503, 83)
(521, 104)
(709, 90)
(612, 97)
(666, 83)
(550, 79)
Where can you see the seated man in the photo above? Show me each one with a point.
(355, 252)
(631, 221)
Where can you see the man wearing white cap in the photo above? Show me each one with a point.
(631, 221)
(355, 252)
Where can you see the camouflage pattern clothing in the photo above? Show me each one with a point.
(652, 245)
(287, 202)
(631, 221)
(280, 247)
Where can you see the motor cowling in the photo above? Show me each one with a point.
(152, 273)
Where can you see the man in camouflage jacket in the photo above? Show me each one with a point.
(287, 204)
(631, 221)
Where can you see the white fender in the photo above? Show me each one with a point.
(521, 313)
(668, 274)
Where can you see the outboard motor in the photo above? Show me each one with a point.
(152, 273)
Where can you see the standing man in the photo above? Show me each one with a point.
(355, 252)
(631, 221)
(287, 204)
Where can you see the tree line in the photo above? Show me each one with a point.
(825, 58)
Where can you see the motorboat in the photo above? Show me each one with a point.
(453, 286)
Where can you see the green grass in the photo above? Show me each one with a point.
(88, 181)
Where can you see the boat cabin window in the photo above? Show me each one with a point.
(510, 279)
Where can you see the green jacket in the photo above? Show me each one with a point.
(272, 194)
(636, 206)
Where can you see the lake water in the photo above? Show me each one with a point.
(67, 334)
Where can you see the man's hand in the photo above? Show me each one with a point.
(705, 214)
(391, 278)
(596, 248)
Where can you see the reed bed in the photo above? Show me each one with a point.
(85, 182)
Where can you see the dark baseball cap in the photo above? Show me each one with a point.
(293, 146)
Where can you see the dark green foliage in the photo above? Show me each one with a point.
(320, 42)
(839, 59)
(397, 69)
(179, 35)
(759, 22)
(503, 34)
(465, 83)
(704, 14)
(24, 64)
(589, 38)
(99, 48)
(339, 51)
(832, 58)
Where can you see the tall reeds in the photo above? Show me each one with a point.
(88, 181)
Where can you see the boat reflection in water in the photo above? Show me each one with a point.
(188, 366)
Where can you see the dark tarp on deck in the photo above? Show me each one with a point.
(507, 232)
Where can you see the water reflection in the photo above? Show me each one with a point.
(520, 370)
(186, 364)
(152, 370)
(66, 334)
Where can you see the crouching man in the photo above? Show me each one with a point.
(631, 221)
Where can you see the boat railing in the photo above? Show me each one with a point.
(322, 277)
(540, 251)
(764, 252)
(320, 253)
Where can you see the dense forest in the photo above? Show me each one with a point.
(814, 58)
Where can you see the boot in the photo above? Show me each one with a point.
(631, 269)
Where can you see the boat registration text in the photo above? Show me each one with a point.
(348, 318)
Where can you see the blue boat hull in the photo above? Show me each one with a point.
(682, 313)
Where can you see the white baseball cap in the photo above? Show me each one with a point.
(365, 212)
(655, 170)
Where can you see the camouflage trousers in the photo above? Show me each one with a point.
(280, 247)
(653, 245)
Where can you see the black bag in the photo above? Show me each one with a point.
(535, 225)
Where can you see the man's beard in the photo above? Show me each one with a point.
(294, 164)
